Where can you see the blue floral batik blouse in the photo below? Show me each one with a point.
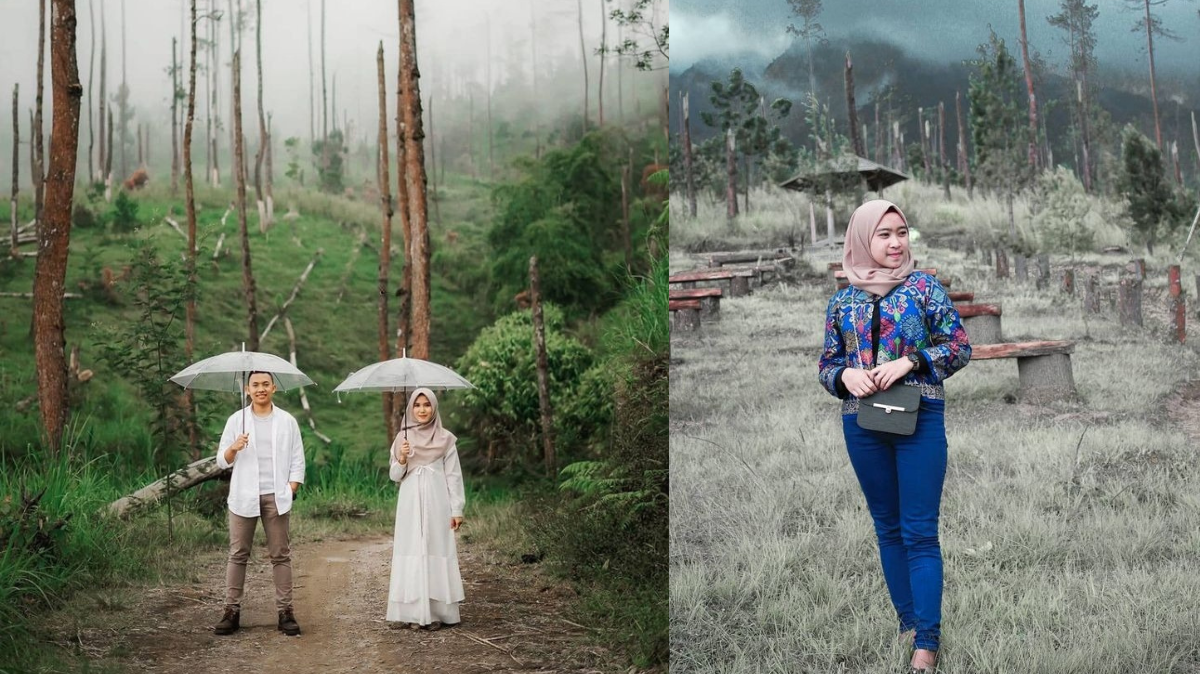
(917, 316)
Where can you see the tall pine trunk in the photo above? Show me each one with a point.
(263, 220)
(385, 249)
(91, 170)
(16, 171)
(39, 153)
(600, 84)
(123, 96)
(963, 156)
(102, 160)
(239, 159)
(1033, 116)
(583, 58)
(174, 119)
(414, 157)
(1153, 78)
(190, 201)
(687, 158)
(54, 235)
(860, 148)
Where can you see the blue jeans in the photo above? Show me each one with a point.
(902, 476)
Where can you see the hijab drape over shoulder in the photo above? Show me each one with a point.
(428, 442)
(861, 269)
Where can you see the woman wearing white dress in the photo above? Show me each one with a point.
(425, 587)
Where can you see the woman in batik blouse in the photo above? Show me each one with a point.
(894, 326)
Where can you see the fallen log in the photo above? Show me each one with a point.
(295, 292)
(185, 478)
(220, 241)
(175, 225)
(312, 423)
(69, 296)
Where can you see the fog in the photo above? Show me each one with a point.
(456, 41)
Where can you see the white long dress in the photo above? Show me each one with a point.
(426, 585)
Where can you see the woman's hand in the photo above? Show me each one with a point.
(860, 383)
(405, 452)
(889, 373)
(455, 523)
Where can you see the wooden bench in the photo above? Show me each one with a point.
(709, 298)
(961, 296)
(1044, 367)
(685, 314)
(738, 279)
(756, 257)
(982, 322)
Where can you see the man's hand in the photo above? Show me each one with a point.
(455, 523)
(889, 373)
(295, 487)
(240, 444)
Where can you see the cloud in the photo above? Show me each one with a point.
(695, 38)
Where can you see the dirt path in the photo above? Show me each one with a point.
(512, 621)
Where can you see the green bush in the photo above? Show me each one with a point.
(1062, 212)
(124, 213)
(503, 410)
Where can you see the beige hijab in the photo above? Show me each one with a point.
(862, 270)
(427, 442)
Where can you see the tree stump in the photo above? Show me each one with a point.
(1043, 280)
(1068, 281)
(983, 329)
(1045, 378)
(1091, 298)
(985, 256)
(1022, 269)
(1178, 305)
(687, 320)
(1001, 263)
(739, 286)
(1129, 301)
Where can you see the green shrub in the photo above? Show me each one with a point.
(124, 213)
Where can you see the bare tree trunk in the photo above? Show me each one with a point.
(491, 130)
(942, 166)
(54, 235)
(1153, 79)
(39, 154)
(103, 158)
(385, 248)
(626, 175)
(174, 120)
(208, 87)
(1084, 113)
(108, 159)
(270, 173)
(583, 56)
(190, 204)
(141, 157)
(964, 156)
(16, 171)
(731, 205)
(124, 96)
(91, 170)
(1033, 116)
(312, 105)
(543, 370)
(603, 43)
(878, 137)
(471, 133)
(533, 68)
(1195, 135)
(239, 157)
(404, 308)
(923, 130)
(263, 221)
(687, 158)
(852, 111)
(414, 153)
(324, 99)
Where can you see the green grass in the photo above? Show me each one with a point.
(1068, 530)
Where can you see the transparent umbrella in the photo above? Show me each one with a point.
(229, 372)
(402, 375)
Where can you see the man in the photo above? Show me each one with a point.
(262, 444)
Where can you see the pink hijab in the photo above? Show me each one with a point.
(862, 270)
(427, 442)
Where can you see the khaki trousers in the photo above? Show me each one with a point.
(241, 536)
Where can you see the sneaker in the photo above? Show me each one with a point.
(287, 623)
(229, 622)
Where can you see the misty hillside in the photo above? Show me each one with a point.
(882, 68)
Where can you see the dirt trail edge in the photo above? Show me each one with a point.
(512, 621)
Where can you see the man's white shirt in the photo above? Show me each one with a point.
(287, 454)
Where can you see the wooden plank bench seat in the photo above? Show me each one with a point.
(961, 296)
(981, 321)
(685, 314)
(1044, 367)
(756, 257)
(738, 279)
(709, 298)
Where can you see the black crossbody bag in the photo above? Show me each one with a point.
(893, 410)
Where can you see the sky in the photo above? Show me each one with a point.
(452, 44)
(939, 30)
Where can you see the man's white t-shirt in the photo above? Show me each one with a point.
(266, 457)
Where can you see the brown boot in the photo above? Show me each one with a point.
(229, 622)
(287, 623)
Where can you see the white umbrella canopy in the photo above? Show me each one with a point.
(402, 374)
(228, 371)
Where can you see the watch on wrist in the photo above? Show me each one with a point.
(915, 360)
